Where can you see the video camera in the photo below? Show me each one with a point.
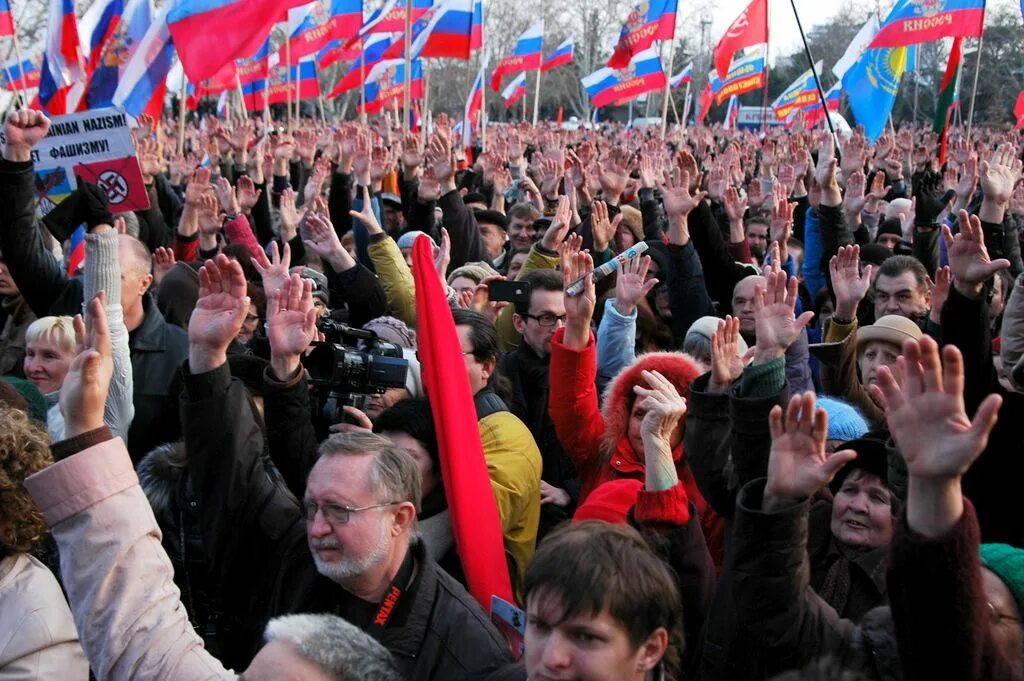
(352, 364)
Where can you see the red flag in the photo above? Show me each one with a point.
(476, 525)
(706, 97)
(749, 28)
(1018, 111)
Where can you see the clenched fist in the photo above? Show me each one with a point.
(23, 130)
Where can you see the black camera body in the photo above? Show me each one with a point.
(355, 361)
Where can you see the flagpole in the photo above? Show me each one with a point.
(21, 68)
(536, 98)
(675, 111)
(767, 68)
(406, 86)
(362, 83)
(974, 89)
(917, 79)
(426, 100)
(686, 106)
(814, 71)
(181, 118)
(241, 95)
(288, 80)
(668, 87)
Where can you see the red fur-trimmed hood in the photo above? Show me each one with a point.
(677, 367)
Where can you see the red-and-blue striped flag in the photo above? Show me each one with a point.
(614, 86)
(62, 81)
(6, 20)
(515, 90)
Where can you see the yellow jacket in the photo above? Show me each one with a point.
(396, 278)
(514, 466)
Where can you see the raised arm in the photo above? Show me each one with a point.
(119, 581)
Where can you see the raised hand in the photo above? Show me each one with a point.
(999, 174)
(273, 270)
(579, 309)
(678, 200)
(226, 196)
(560, 225)
(735, 205)
(775, 325)
(84, 391)
(602, 228)
(968, 257)
(928, 420)
(23, 130)
(218, 314)
(939, 294)
(825, 172)
(849, 284)
(726, 361)
(163, 261)
(631, 284)
(366, 215)
(798, 465)
(289, 215)
(291, 323)
(247, 194)
(664, 406)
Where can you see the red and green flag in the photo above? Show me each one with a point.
(947, 96)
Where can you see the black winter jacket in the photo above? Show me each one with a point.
(255, 539)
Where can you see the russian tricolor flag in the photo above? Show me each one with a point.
(612, 86)
(336, 51)
(116, 52)
(911, 22)
(648, 21)
(143, 84)
(304, 82)
(563, 54)
(444, 32)
(97, 27)
(311, 27)
(23, 75)
(683, 77)
(475, 100)
(388, 91)
(391, 17)
(525, 57)
(6, 20)
(210, 33)
(515, 90)
(476, 33)
(62, 81)
(374, 47)
(731, 113)
(256, 67)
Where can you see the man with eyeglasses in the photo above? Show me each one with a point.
(348, 545)
(513, 460)
(536, 319)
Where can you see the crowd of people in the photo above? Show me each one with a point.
(779, 444)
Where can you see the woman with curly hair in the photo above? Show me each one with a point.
(38, 639)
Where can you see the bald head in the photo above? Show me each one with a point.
(743, 301)
(136, 263)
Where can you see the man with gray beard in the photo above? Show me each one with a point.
(349, 547)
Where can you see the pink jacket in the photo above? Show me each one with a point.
(128, 612)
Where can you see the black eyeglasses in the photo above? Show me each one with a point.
(547, 319)
(336, 514)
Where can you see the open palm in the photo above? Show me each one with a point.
(291, 317)
(222, 305)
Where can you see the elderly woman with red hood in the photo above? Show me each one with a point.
(606, 444)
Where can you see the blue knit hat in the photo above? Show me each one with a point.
(844, 421)
(1008, 564)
